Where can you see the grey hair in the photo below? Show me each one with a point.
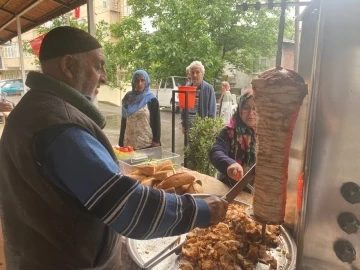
(80, 58)
(197, 64)
(187, 69)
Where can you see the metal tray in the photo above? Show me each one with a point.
(143, 250)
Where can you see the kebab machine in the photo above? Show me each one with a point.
(317, 176)
(328, 233)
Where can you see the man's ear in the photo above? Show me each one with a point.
(67, 66)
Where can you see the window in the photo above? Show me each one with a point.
(179, 81)
(162, 85)
(259, 65)
(128, 10)
(11, 52)
(105, 3)
(48, 24)
(169, 83)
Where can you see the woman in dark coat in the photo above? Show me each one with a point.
(234, 151)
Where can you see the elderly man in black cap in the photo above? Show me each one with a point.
(64, 201)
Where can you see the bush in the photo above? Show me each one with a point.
(202, 137)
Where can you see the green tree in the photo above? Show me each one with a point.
(214, 32)
(101, 34)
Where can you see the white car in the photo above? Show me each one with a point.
(164, 92)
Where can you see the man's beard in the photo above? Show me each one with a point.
(81, 84)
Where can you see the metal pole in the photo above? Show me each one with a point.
(91, 30)
(281, 33)
(186, 120)
(173, 122)
(297, 38)
(21, 52)
(90, 14)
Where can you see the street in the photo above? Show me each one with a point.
(113, 118)
(112, 128)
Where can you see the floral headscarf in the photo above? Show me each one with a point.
(135, 100)
(243, 138)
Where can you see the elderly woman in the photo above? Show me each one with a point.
(225, 102)
(234, 151)
(140, 123)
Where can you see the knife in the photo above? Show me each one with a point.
(239, 186)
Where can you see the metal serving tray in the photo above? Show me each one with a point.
(143, 250)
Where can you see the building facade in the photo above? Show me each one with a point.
(241, 81)
(109, 11)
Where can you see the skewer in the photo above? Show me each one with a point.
(263, 230)
(281, 33)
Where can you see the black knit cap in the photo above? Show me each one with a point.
(66, 40)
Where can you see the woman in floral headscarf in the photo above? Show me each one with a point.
(140, 123)
(234, 151)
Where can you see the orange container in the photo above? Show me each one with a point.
(191, 96)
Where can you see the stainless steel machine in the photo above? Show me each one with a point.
(328, 225)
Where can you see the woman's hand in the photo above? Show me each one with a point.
(235, 171)
(155, 144)
(5, 107)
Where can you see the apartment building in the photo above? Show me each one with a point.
(110, 11)
(241, 81)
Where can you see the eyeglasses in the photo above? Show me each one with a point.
(248, 109)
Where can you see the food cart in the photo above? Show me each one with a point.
(325, 144)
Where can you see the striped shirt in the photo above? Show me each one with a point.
(79, 164)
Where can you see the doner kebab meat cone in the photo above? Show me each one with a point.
(278, 95)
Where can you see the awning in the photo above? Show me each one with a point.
(32, 13)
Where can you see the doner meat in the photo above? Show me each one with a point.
(278, 94)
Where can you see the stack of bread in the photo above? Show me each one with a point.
(163, 176)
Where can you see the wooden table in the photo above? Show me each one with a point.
(212, 185)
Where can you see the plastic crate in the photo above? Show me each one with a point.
(149, 155)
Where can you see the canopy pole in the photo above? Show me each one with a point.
(91, 31)
(281, 33)
(90, 14)
(21, 52)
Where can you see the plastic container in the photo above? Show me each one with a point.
(191, 96)
(149, 155)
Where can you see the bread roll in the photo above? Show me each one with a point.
(170, 190)
(177, 180)
(162, 175)
(181, 190)
(148, 169)
(278, 94)
(138, 177)
(164, 166)
(136, 172)
(150, 182)
(195, 188)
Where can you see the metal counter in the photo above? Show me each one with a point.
(326, 238)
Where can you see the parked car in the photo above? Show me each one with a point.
(164, 92)
(12, 87)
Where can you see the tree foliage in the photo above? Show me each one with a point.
(101, 34)
(212, 31)
(202, 136)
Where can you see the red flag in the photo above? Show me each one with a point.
(36, 43)
(77, 12)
